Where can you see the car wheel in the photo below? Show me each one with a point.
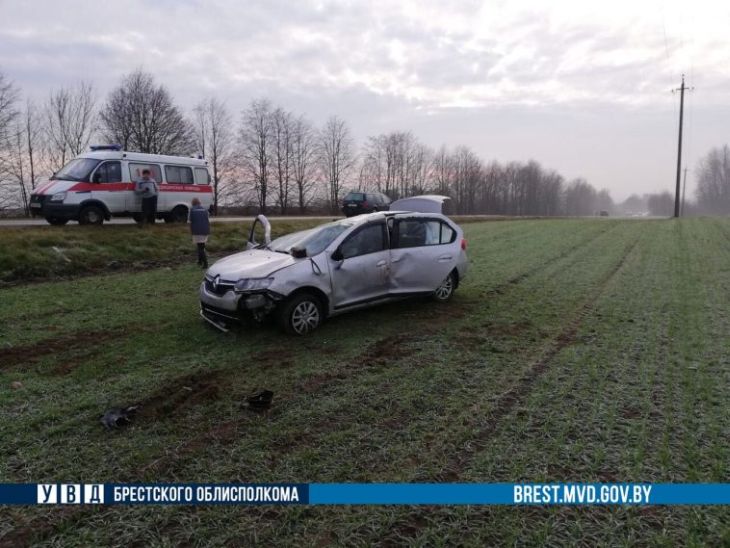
(446, 290)
(56, 221)
(91, 215)
(301, 314)
(178, 214)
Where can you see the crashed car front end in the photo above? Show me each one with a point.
(225, 301)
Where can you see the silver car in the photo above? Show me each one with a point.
(345, 265)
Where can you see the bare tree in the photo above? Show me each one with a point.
(215, 140)
(70, 122)
(141, 116)
(336, 157)
(282, 126)
(8, 132)
(661, 205)
(16, 167)
(396, 164)
(8, 111)
(33, 127)
(304, 160)
(580, 198)
(467, 174)
(254, 139)
(442, 168)
(713, 182)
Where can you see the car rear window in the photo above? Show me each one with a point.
(355, 197)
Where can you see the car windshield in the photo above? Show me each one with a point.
(314, 240)
(355, 197)
(77, 170)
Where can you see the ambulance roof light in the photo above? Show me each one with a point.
(96, 148)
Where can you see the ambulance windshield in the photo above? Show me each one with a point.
(77, 170)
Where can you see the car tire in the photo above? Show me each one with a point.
(445, 291)
(301, 314)
(56, 221)
(91, 215)
(179, 214)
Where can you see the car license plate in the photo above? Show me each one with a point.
(351, 205)
(35, 205)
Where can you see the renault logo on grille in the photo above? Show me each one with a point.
(216, 281)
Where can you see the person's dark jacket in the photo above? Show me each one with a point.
(199, 221)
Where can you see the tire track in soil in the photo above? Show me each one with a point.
(514, 280)
(515, 395)
(28, 354)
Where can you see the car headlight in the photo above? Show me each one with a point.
(58, 197)
(253, 284)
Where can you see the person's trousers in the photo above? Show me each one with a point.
(202, 258)
(149, 209)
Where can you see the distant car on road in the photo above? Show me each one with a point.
(303, 277)
(357, 203)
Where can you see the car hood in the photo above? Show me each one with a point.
(254, 263)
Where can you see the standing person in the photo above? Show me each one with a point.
(200, 229)
(147, 188)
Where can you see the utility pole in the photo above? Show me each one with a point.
(679, 148)
(684, 190)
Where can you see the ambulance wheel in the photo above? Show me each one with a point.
(56, 221)
(179, 214)
(91, 215)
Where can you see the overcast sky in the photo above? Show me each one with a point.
(581, 87)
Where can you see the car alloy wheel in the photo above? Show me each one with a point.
(305, 317)
(446, 289)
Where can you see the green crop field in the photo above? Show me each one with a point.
(576, 350)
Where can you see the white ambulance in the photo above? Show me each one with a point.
(100, 184)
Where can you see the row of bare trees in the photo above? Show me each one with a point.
(269, 157)
(35, 141)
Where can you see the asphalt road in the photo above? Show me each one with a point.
(15, 223)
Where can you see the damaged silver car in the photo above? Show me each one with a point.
(304, 277)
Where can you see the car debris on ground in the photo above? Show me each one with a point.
(260, 401)
(118, 416)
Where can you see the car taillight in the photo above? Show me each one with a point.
(463, 244)
(365, 203)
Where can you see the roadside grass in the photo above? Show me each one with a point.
(38, 253)
(32, 254)
(575, 350)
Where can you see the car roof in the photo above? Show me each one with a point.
(368, 217)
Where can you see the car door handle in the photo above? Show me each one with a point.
(445, 258)
(381, 263)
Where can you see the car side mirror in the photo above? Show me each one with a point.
(97, 178)
(337, 255)
(299, 252)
